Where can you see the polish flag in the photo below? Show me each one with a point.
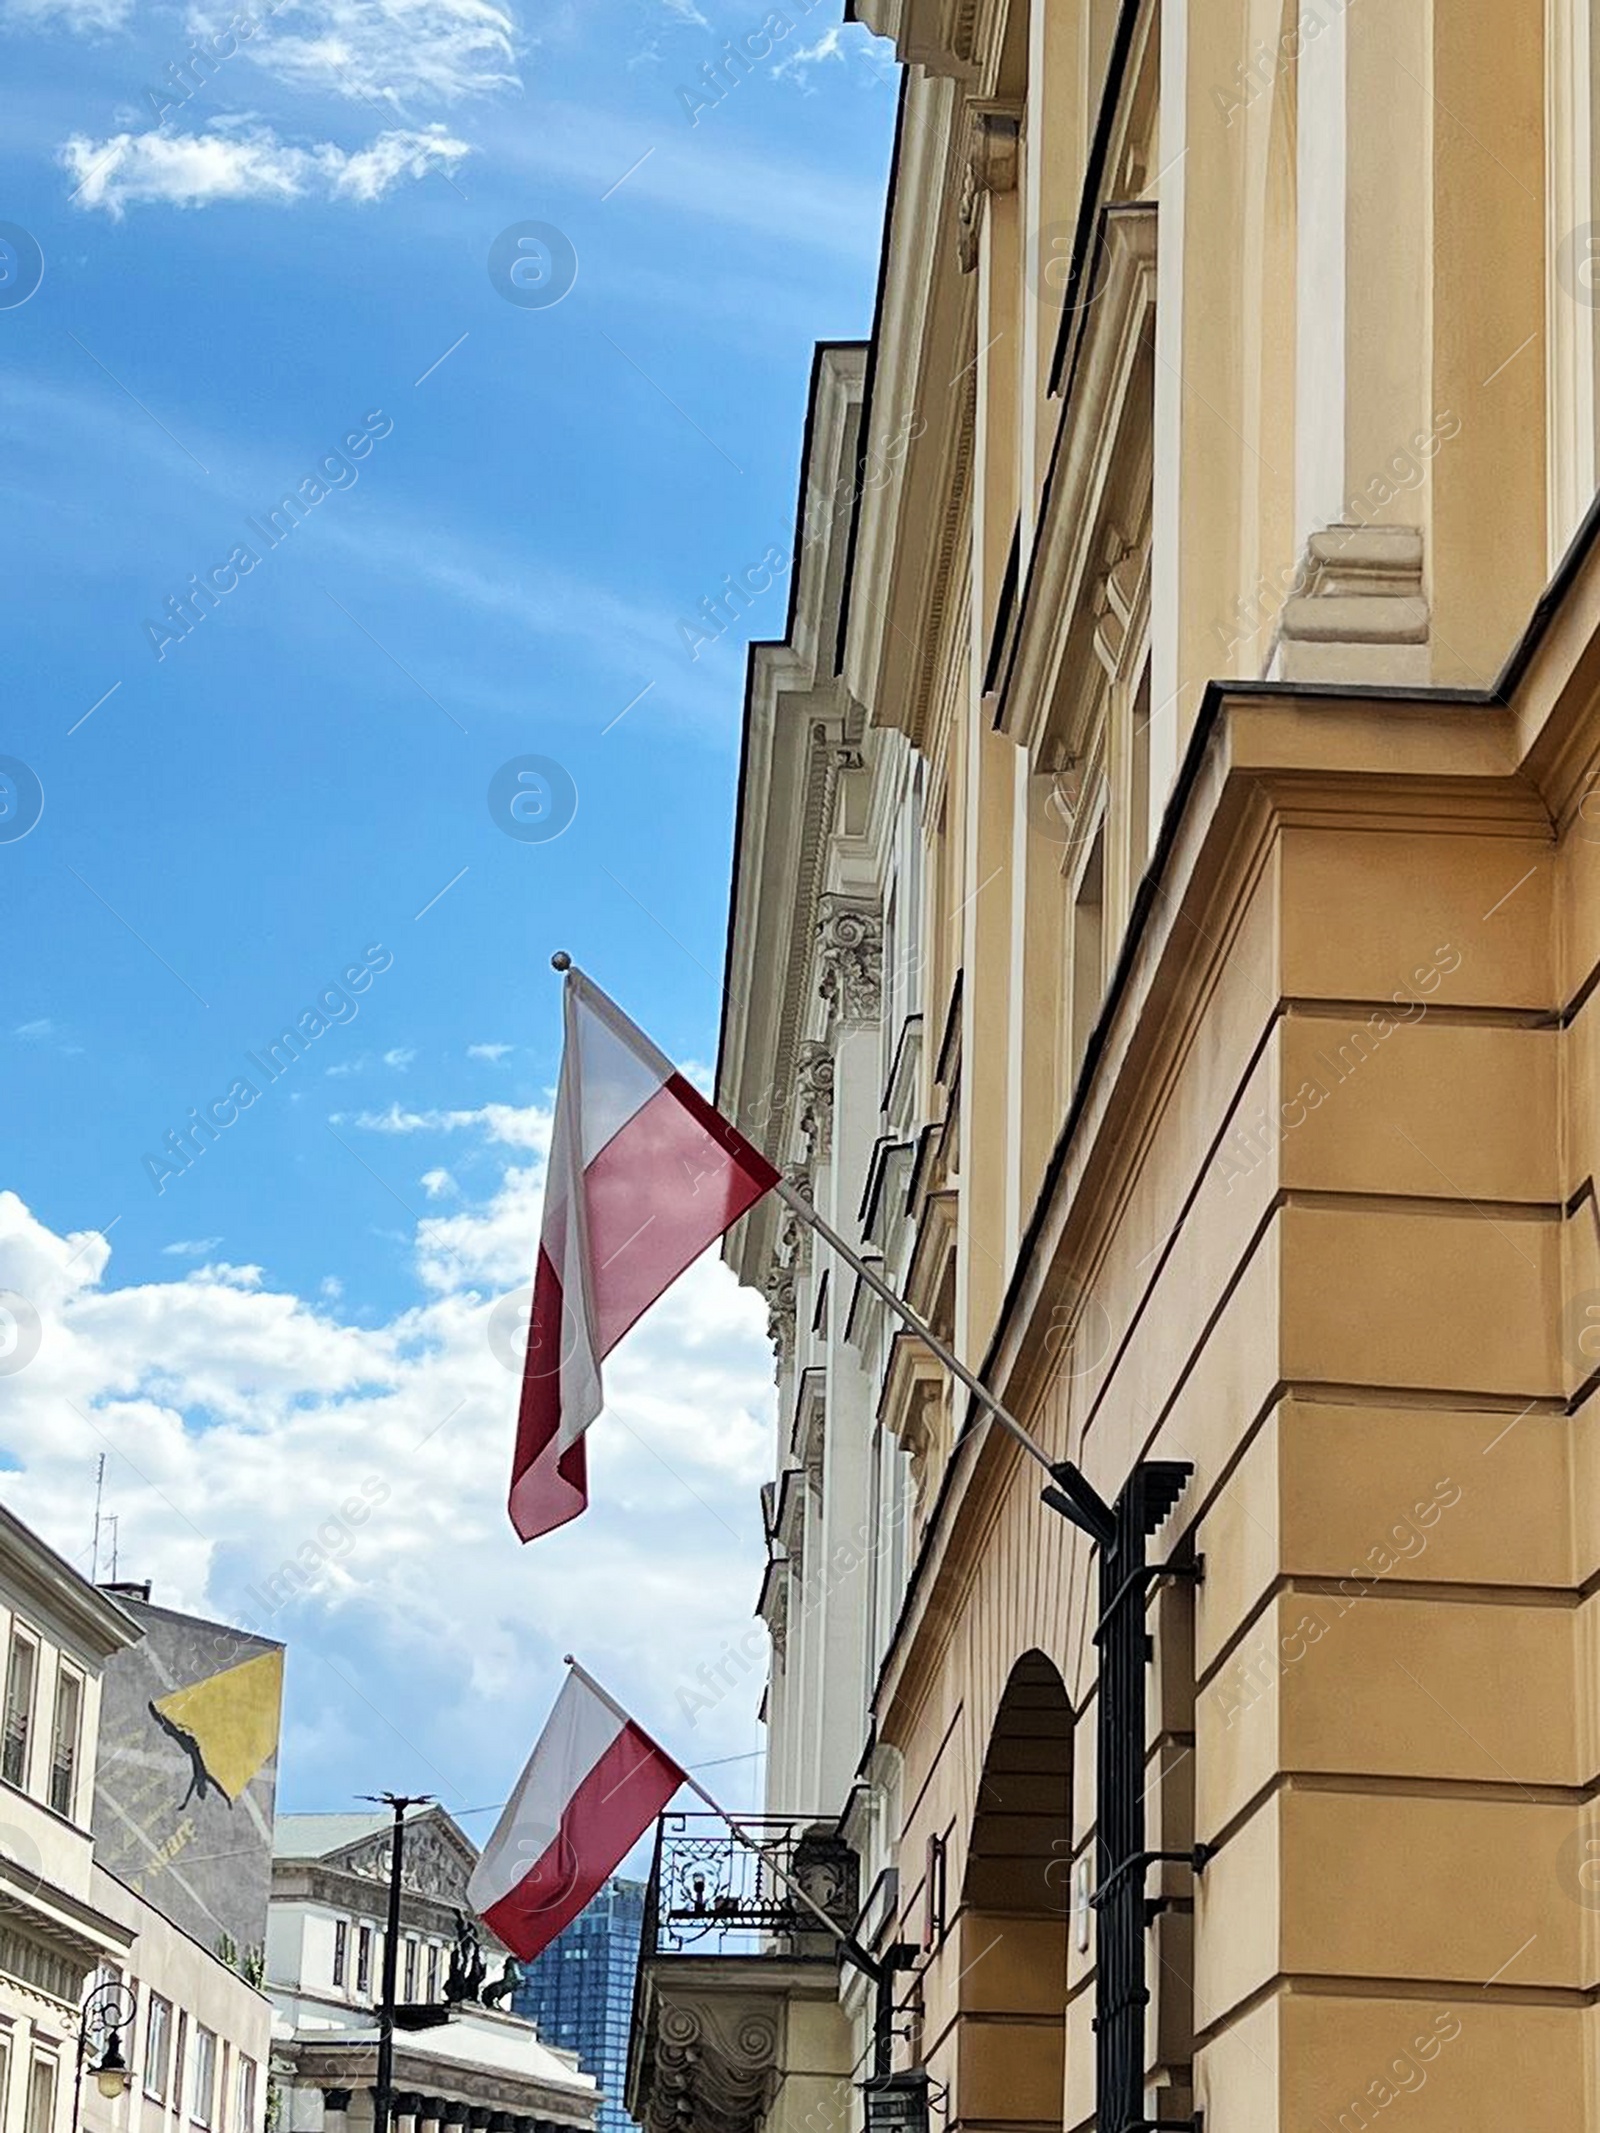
(643, 1175)
(593, 1785)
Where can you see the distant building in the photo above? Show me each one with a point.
(580, 1991)
(188, 1770)
(482, 2071)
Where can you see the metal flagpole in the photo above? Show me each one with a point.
(1072, 1493)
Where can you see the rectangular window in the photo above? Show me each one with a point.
(410, 1986)
(157, 2048)
(21, 1667)
(433, 1970)
(1088, 949)
(245, 2095)
(41, 2095)
(5, 2074)
(364, 1959)
(341, 1950)
(180, 2061)
(64, 1742)
(203, 2078)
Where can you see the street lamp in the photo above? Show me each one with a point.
(105, 2014)
(897, 2103)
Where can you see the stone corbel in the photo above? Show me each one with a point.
(850, 955)
(813, 1081)
(993, 159)
(1359, 609)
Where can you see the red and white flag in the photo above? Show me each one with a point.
(593, 1785)
(643, 1175)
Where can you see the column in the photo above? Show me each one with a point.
(335, 2111)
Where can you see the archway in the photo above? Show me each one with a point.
(1013, 1917)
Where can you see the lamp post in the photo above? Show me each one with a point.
(105, 2014)
(398, 1804)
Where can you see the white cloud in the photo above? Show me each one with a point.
(199, 169)
(240, 1418)
(400, 1057)
(436, 1183)
(686, 11)
(400, 51)
(84, 17)
(191, 1247)
(516, 1125)
(493, 1053)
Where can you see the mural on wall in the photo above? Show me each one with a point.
(187, 1774)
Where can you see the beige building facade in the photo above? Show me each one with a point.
(1165, 935)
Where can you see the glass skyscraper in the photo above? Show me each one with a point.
(580, 1991)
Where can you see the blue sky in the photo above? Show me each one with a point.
(297, 254)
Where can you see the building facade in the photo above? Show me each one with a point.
(1163, 939)
(192, 2029)
(56, 1929)
(579, 1993)
(483, 2071)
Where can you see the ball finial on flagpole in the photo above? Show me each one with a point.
(561, 960)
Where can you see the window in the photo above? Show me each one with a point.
(244, 2120)
(157, 2048)
(180, 2062)
(1088, 949)
(64, 1742)
(5, 2074)
(433, 1970)
(41, 2095)
(364, 1959)
(341, 1950)
(411, 1966)
(203, 2086)
(21, 1667)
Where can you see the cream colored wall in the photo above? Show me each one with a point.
(196, 1984)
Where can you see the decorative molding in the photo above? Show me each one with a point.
(813, 1082)
(715, 2066)
(1359, 610)
(850, 955)
(1083, 584)
(993, 158)
(779, 1290)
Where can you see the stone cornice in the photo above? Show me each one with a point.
(352, 2063)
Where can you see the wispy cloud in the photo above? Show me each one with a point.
(199, 169)
(191, 1247)
(35, 1032)
(84, 17)
(436, 1183)
(400, 1056)
(493, 1053)
(403, 52)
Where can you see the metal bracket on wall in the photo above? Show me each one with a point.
(1121, 1996)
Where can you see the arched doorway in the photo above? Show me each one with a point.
(1014, 1912)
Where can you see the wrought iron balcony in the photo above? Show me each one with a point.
(728, 1950)
(711, 1894)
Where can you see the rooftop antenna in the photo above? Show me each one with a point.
(99, 1492)
(113, 1520)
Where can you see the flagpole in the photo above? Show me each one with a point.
(1072, 1491)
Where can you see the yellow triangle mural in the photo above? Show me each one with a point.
(232, 1718)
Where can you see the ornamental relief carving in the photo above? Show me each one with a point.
(813, 1081)
(850, 959)
(714, 2070)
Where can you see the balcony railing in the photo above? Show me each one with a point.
(710, 1894)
